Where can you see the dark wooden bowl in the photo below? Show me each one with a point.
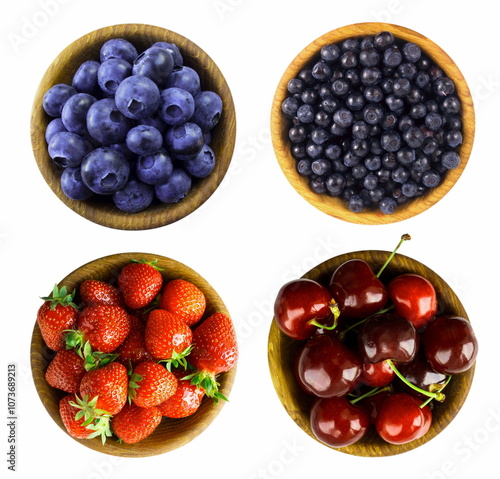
(336, 207)
(282, 351)
(171, 433)
(101, 210)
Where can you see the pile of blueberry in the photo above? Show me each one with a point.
(373, 120)
(132, 126)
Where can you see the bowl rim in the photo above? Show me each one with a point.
(98, 210)
(40, 356)
(296, 409)
(334, 206)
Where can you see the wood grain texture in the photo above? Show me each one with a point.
(171, 433)
(334, 206)
(100, 209)
(282, 350)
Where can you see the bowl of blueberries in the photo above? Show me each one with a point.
(133, 126)
(372, 123)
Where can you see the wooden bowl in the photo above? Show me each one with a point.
(336, 207)
(101, 210)
(171, 433)
(282, 350)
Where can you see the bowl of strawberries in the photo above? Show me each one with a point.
(133, 354)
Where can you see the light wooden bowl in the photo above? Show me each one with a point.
(282, 350)
(171, 433)
(101, 210)
(336, 207)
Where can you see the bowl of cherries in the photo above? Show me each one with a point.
(371, 353)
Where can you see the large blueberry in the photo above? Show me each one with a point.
(118, 48)
(155, 168)
(144, 139)
(186, 78)
(207, 109)
(54, 126)
(174, 51)
(67, 149)
(106, 123)
(155, 63)
(73, 186)
(176, 106)
(105, 170)
(85, 78)
(184, 141)
(111, 73)
(135, 196)
(55, 98)
(74, 112)
(203, 164)
(175, 188)
(137, 97)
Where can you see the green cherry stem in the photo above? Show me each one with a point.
(370, 393)
(334, 308)
(438, 389)
(405, 237)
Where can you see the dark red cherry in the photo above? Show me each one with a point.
(377, 374)
(300, 304)
(338, 423)
(450, 344)
(373, 404)
(357, 290)
(327, 367)
(387, 336)
(414, 298)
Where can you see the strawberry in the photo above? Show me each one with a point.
(65, 371)
(133, 350)
(139, 282)
(56, 315)
(81, 421)
(215, 351)
(134, 423)
(168, 337)
(109, 384)
(184, 299)
(151, 384)
(185, 401)
(93, 291)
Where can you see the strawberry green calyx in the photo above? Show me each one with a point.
(133, 386)
(151, 263)
(207, 381)
(178, 360)
(61, 296)
(92, 359)
(97, 421)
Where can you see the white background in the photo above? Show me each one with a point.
(251, 236)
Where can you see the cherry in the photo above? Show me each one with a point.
(377, 374)
(327, 367)
(373, 403)
(338, 423)
(414, 298)
(300, 304)
(450, 344)
(387, 336)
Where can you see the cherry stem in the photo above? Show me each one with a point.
(438, 395)
(370, 393)
(439, 389)
(335, 310)
(405, 237)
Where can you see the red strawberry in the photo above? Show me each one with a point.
(93, 291)
(185, 401)
(184, 299)
(215, 351)
(151, 384)
(168, 337)
(56, 315)
(109, 384)
(139, 283)
(134, 423)
(65, 371)
(133, 350)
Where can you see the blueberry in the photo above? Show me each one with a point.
(309, 96)
(392, 57)
(355, 204)
(443, 86)
(175, 188)
(413, 137)
(295, 85)
(340, 87)
(67, 149)
(297, 134)
(450, 160)
(174, 51)
(400, 174)
(330, 53)
(369, 57)
(203, 164)
(370, 76)
(333, 151)
(390, 141)
(407, 70)
(155, 168)
(321, 166)
(409, 188)
(176, 106)
(384, 39)
(431, 178)
(370, 181)
(355, 101)
(454, 138)
(335, 184)
(144, 140)
(373, 94)
(85, 78)
(186, 78)
(105, 123)
(401, 87)
(207, 109)
(184, 141)
(320, 136)
(372, 114)
(105, 171)
(343, 117)
(137, 97)
(290, 106)
(134, 197)
(111, 73)
(155, 63)
(55, 98)
(412, 52)
(54, 126)
(387, 205)
(73, 186)
(74, 112)
(118, 48)
(373, 162)
(305, 114)
(451, 105)
(304, 167)
(321, 70)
